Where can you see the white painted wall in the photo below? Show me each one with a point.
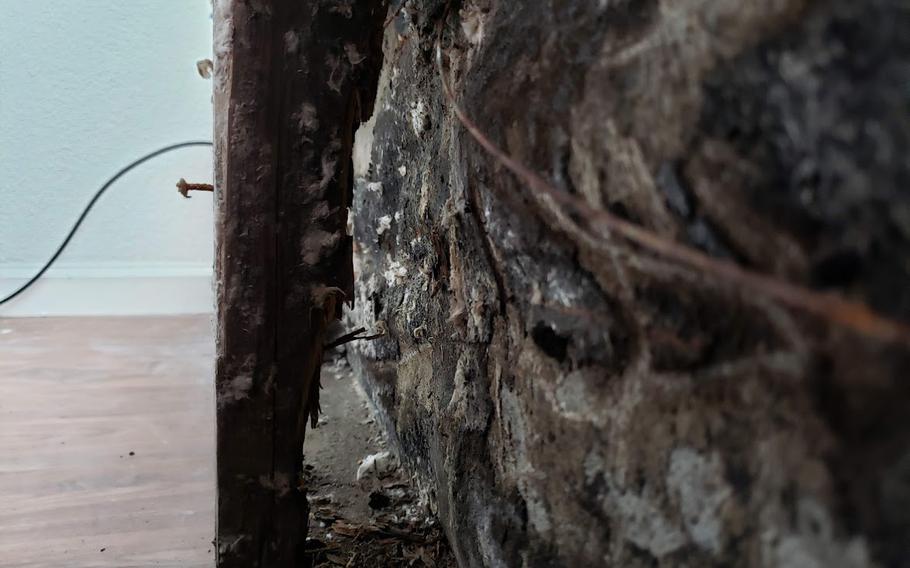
(85, 87)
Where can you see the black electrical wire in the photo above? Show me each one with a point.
(91, 204)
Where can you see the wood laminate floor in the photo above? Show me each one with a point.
(106, 442)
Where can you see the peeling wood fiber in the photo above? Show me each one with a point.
(292, 82)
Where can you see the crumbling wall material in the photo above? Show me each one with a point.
(574, 400)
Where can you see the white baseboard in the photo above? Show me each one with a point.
(109, 290)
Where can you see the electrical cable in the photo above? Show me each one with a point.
(88, 208)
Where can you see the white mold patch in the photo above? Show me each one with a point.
(317, 244)
(573, 398)
(395, 272)
(814, 543)
(306, 117)
(560, 290)
(291, 42)
(646, 526)
(801, 551)
(419, 119)
(363, 147)
(236, 389)
(472, 24)
(383, 224)
(701, 490)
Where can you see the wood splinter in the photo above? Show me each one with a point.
(355, 335)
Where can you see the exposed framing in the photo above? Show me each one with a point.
(293, 79)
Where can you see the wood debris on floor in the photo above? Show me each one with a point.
(364, 511)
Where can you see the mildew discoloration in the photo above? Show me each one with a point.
(699, 486)
(288, 98)
(576, 401)
(306, 117)
(237, 389)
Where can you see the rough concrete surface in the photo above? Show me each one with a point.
(568, 399)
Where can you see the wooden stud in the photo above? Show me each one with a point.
(293, 79)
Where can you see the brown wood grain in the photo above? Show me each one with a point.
(292, 81)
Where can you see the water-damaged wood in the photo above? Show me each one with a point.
(292, 81)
